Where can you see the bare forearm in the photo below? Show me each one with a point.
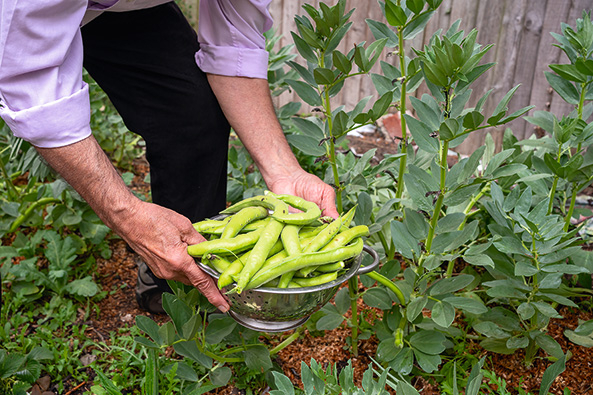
(88, 170)
(248, 107)
(247, 104)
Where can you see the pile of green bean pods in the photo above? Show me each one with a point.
(261, 242)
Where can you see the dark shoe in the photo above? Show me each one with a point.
(149, 289)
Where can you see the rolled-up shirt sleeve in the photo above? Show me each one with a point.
(231, 37)
(43, 98)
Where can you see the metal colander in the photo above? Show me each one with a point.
(281, 309)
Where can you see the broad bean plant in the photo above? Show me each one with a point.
(490, 237)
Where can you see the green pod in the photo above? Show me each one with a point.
(317, 280)
(330, 267)
(290, 239)
(281, 255)
(228, 276)
(217, 262)
(310, 211)
(239, 220)
(346, 236)
(268, 201)
(298, 262)
(234, 245)
(311, 231)
(207, 225)
(256, 224)
(269, 236)
(327, 234)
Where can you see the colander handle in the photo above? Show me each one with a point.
(373, 265)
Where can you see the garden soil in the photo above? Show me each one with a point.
(117, 312)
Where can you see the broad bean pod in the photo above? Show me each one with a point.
(240, 219)
(317, 280)
(236, 244)
(268, 201)
(310, 211)
(269, 236)
(304, 260)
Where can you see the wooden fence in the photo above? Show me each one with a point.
(519, 29)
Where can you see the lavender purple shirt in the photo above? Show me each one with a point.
(42, 96)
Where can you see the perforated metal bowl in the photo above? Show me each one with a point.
(282, 309)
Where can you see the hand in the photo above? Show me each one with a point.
(310, 187)
(161, 236)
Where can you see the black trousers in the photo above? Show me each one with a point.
(144, 61)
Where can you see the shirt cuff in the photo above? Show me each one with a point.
(233, 62)
(55, 124)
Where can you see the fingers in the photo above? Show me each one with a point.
(328, 207)
(205, 284)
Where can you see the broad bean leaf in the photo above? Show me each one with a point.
(551, 373)
(469, 305)
(149, 327)
(414, 308)
(220, 376)
(190, 350)
(218, 329)
(427, 362)
(443, 313)
(403, 361)
(177, 309)
(449, 285)
(283, 383)
(378, 298)
(387, 350)
(428, 342)
(564, 88)
(258, 358)
(406, 244)
(422, 135)
(305, 92)
(549, 345)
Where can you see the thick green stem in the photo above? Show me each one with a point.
(472, 203)
(381, 279)
(439, 203)
(353, 293)
(331, 148)
(574, 190)
(12, 192)
(297, 333)
(573, 199)
(29, 211)
(554, 184)
(402, 112)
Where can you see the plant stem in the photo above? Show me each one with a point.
(402, 112)
(554, 184)
(331, 149)
(12, 192)
(353, 293)
(297, 333)
(439, 203)
(29, 211)
(574, 189)
(389, 284)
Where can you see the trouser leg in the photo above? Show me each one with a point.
(144, 61)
